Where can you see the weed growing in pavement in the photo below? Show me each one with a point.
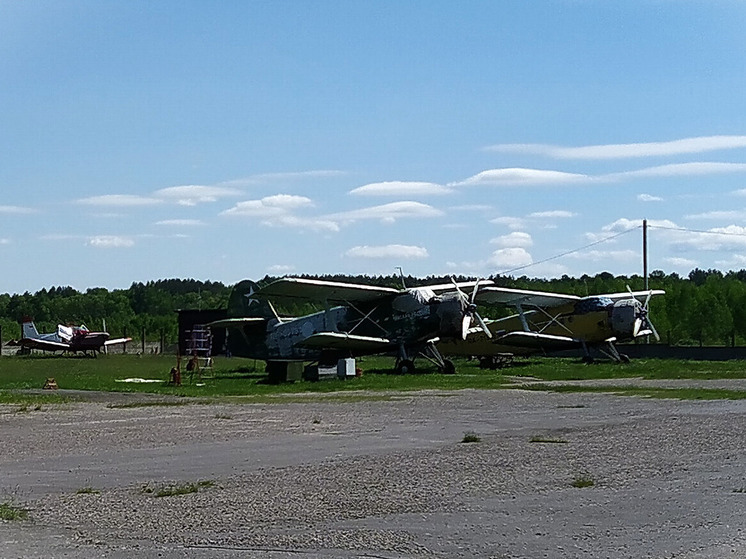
(537, 439)
(471, 437)
(8, 511)
(583, 480)
(175, 489)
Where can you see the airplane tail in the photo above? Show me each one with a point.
(242, 304)
(29, 329)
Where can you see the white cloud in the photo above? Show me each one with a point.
(472, 208)
(193, 194)
(4, 241)
(505, 259)
(692, 169)
(298, 176)
(280, 268)
(16, 210)
(552, 213)
(730, 215)
(512, 240)
(401, 252)
(180, 222)
(618, 151)
(110, 241)
(119, 200)
(605, 255)
(287, 201)
(294, 222)
(388, 213)
(732, 237)
(510, 222)
(401, 188)
(648, 198)
(680, 262)
(277, 211)
(519, 176)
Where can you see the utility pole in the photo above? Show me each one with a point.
(645, 252)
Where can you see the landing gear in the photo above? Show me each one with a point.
(448, 367)
(405, 367)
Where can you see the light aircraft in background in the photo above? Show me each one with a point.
(547, 322)
(67, 339)
(356, 320)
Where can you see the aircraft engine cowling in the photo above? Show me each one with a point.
(451, 311)
(624, 315)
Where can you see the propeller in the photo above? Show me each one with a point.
(643, 325)
(470, 310)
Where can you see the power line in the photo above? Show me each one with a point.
(555, 257)
(685, 230)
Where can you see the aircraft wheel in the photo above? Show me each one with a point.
(587, 359)
(448, 367)
(405, 367)
(624, 358)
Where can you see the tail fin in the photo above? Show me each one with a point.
(242, 303)
(28, 329)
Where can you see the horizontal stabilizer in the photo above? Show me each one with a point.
(537, 341)
(46, 345)
(117, 341)
(342, 340)
(235, 322)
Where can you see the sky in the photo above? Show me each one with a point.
(229, 140)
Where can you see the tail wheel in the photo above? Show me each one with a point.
(405, 367)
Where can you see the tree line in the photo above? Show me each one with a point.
(707, 307)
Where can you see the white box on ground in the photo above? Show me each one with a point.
(346, 368)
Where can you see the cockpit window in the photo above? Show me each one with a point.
(593, 304)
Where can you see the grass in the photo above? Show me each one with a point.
(9, 512)
(471, 437)
(244, 378)
(87, 491)
(538, 439)
(581, 481)
(649, 392)
(173, 490)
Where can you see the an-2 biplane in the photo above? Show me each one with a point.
(355, 320)
(546, 322)
(71, 339)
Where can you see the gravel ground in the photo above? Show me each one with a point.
(383, 477)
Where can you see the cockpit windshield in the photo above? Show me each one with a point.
(593, 304)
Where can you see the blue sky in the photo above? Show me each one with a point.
(229, 140)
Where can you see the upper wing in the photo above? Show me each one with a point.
(234, 322)
(341, 340)
(639, 295)
(465, 286)
(523, 297)
(322, 291)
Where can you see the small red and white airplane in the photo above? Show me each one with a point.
(66, 338)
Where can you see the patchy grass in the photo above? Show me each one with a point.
(176, 489)
(471, 437)
(538, 439)
(10, 512)
(582, 481)
(87, 491)
(648, 392)
(163, 403)
(245, 378)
